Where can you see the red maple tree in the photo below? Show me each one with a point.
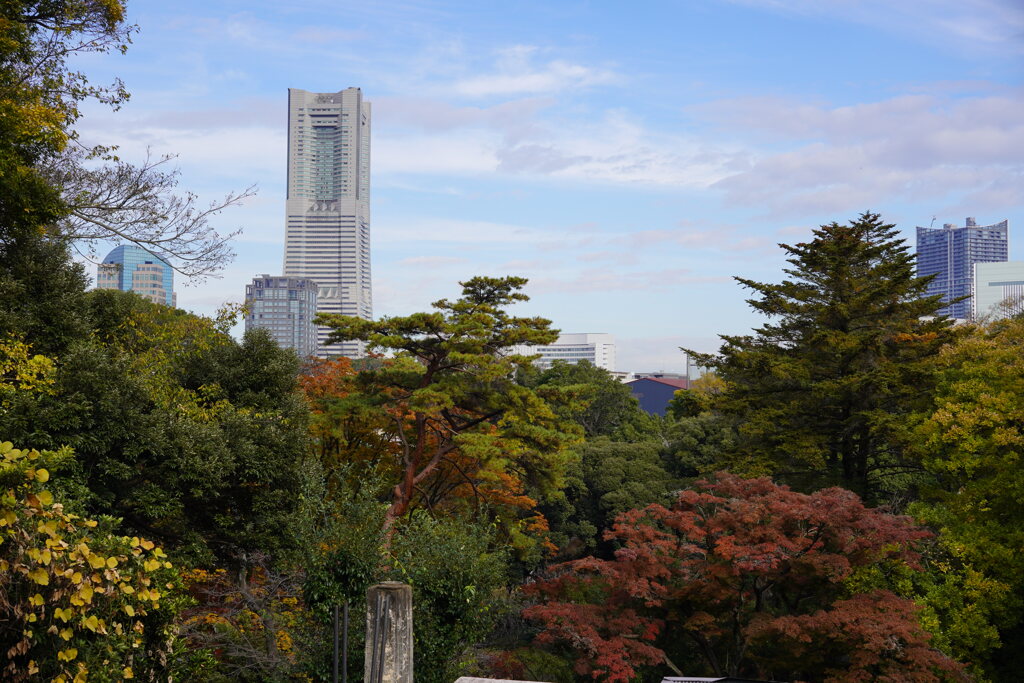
(754, 579)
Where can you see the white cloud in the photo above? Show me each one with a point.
(516, 73)
(915, 147)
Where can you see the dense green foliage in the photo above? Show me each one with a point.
(602, 405)
(826, 386)
(187, 435)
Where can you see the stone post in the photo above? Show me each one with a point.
(389, 633)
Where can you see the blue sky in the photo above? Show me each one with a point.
(628, 158)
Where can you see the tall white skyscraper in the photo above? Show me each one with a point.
(327, 234)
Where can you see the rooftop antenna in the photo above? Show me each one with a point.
(933, 221)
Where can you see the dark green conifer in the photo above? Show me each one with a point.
(823, 389)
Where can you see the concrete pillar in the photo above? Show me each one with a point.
(389, 633)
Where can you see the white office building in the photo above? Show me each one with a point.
(597, 348)
(327, 234)
(998, 289)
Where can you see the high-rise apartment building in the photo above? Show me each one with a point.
(596, 348)
(132, 268)
(950, 253)
(327, 233)
(285, 307)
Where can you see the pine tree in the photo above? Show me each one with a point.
(824, 388)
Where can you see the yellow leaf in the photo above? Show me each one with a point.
(45, 557)
(67, 655)
(151, 565)
(148, 545)
(76, 578)
(66, 633)
(129, 610)
(36, 600)
(46, 498)
(64, 614)
(111, 562)
(91, 622)
(40, 576)
(85, 593)
(126, 589)
(32, 668)
(127, 672)
(32, 618)
(42, 476)
(97, 562)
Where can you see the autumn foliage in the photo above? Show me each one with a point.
(752, 579)
(76, 602)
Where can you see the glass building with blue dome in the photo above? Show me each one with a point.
(132, 268)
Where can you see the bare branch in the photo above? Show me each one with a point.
(137, 204)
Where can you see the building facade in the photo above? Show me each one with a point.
(132, 268)
(285, 307)
(655, 393)
(998, 290)
(950, 252)
(327, 223)
(596, 348)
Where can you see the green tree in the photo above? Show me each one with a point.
(698, 444)
(971, 439)
(824, 389)
(42, 292)
(611, 478)
(462, 428)
(40, 97)
(187, 435)
(604, 406)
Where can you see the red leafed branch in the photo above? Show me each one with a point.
(749, 577)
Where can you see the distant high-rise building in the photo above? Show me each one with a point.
(998, 289)
(132, 268)
(327, 234)
(950, 253)
(285, 307)
(596, 348)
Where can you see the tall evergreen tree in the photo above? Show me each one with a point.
(823, 389)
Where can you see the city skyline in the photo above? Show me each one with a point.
(629, 163)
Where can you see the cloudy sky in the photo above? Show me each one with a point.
(628, 158)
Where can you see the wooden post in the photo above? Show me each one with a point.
(389, 633)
